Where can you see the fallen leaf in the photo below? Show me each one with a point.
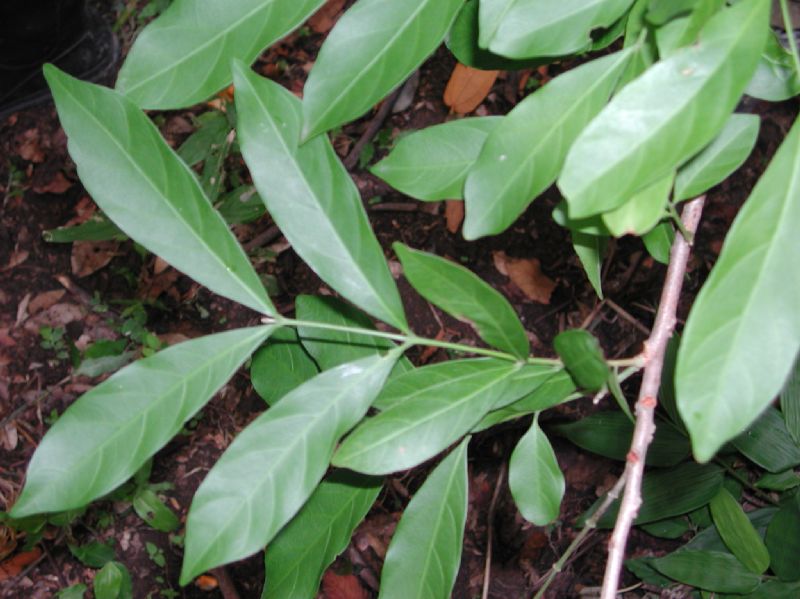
(57, 315)
(90, 256)
(453, 214)
(206, 583)
(527, 275)
(9, 437)
(162, 283)
(18, 257)
(11, 567)
(44, 300)
(57, 185)
(28, 146)
(8, 541)
(337, 586)
(467, 88)
(325, 18)
(22, 309)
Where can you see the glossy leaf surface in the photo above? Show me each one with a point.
(658, 241)
(528, 28)
(462, 294)
(783, 540)
(743, 331)
(312, 198)
(708, 570)
(296, 559)
(666, 115)
(140, 408)
(185, 55)
(738, 532)
(131, 172)
(274, 464)
(641, 212)
(372, 48)
(767, 442)
(609, 434)
(443, 407)
(432, 164)
(718, 159)
(423, 557)
(583, 358)
(524, 154)
(534, 477)
(280, 365)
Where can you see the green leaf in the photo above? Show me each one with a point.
(462, 41)
(92, 230)
(773, 589)
(590, 250)
(669, 113)
(768, 443)
(105, 436)
(528, 28)
(214, 127)
(139, 182)
(312, 198)
(658, 241)
(185, 55)
(783, 541)
(556, 389)
(609, 434)
(672, 492)
(113, 582)
(642, 212)
(535, 480)
(443, 406)
(527, 380)
(709, 570)
(743, 331)
(373, 48)
(583, 358)
(661, 11)
(280, 365)
(459, 292)
(76, 591)
(525, 152)
(296, 559)
(670, 528)
(150, 509)
(425, 552)
(738, 532)
(241, 205)
(783, 481)
(275, 463)
(709, 539)
(432, 164)
(775, 78)
(718, 159)
(94, 554)
(790, 402)
(331, 348)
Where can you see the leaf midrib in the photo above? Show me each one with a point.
(193, 184)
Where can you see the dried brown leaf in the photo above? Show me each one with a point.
(57, 185)
(44, 300)
(453, 214)
(467, 88)
(90, 256)
(338, 586)
(527, 275)
(325, 18)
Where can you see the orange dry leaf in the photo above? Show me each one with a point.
(453, 214)
(467, 88)
(325, 18)
(527, 275)
(206, 583)
(12, 567)
(335, 586)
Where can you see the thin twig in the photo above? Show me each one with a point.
(372, 128)
(487, 568)
(226, 586)
(263, 238)
(587, 529)
(655, 347)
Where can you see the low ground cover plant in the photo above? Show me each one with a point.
(644, 123)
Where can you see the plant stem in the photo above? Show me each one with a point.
(745, 483)
(788, 26)
(587, 529)
(643, 432)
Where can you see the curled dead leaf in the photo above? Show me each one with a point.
(44, 300)
(90, 256)
(453, 214)
(527, 276)
(467, 88)
(337, 586)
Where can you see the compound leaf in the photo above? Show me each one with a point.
(423, 557)
(373, 47)
(105, 436)
(274, 464)
(743, 332)
(312, 198)
(666, 115)
(719, 158)
(432, 164)
(438, 410)
(536, 481)
(185, 55)
(523, 155)
(296, 559)
(464, 295)
(139, 182)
